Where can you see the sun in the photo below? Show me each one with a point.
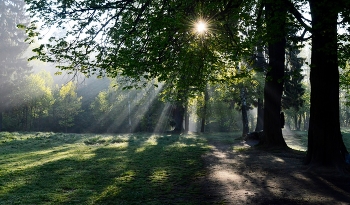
(201, 26)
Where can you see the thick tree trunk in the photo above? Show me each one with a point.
(179, 113)
(275, 22)
(244, 112)
(325, 144)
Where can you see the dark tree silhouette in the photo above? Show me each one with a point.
(325, 144)
(276, 12)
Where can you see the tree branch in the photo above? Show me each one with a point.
(297, 15)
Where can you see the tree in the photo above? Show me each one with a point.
(325, 144)
(276, 15)
(68, 105)
(260, 66)
(293, 89)
(31, 101)
(143, 40)
(12, 64)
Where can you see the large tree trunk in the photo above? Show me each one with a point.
(275, 22)
(179, 113)
(325, 144)
(244, 112)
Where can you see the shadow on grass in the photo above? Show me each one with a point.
(138, 169)
(17, 142)
(256, 176)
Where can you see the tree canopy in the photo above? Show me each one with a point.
(143, 40)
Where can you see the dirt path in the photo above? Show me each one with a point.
(241, 174)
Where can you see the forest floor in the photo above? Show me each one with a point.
(239, 173)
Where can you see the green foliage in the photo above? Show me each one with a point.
(31, 101)
(220, 114)
(146, 40)
(68, 105)
(293, 88)
(56, 168)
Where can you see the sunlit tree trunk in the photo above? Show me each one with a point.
(306, 121)
(325, 144)
(275, 22)
(299, 122)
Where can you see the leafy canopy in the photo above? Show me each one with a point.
(142, 39)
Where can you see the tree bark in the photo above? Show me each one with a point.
(299, 121)
(325, 144)
(204, 114)
(179, 113)
(306, 121)
(187, 120)
(244, 112)
(260, 119)
(275, 22)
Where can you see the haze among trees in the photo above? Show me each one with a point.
(245, 56)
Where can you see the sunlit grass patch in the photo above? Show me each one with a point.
(240, 148)
(159, 175)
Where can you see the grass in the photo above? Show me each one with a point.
(346, 137)
(55, 168)
(301, 138)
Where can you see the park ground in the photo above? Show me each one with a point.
(240, 173)
(142, 168)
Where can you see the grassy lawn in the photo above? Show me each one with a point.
(55, 168)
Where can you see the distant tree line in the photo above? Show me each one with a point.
(102, 105)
